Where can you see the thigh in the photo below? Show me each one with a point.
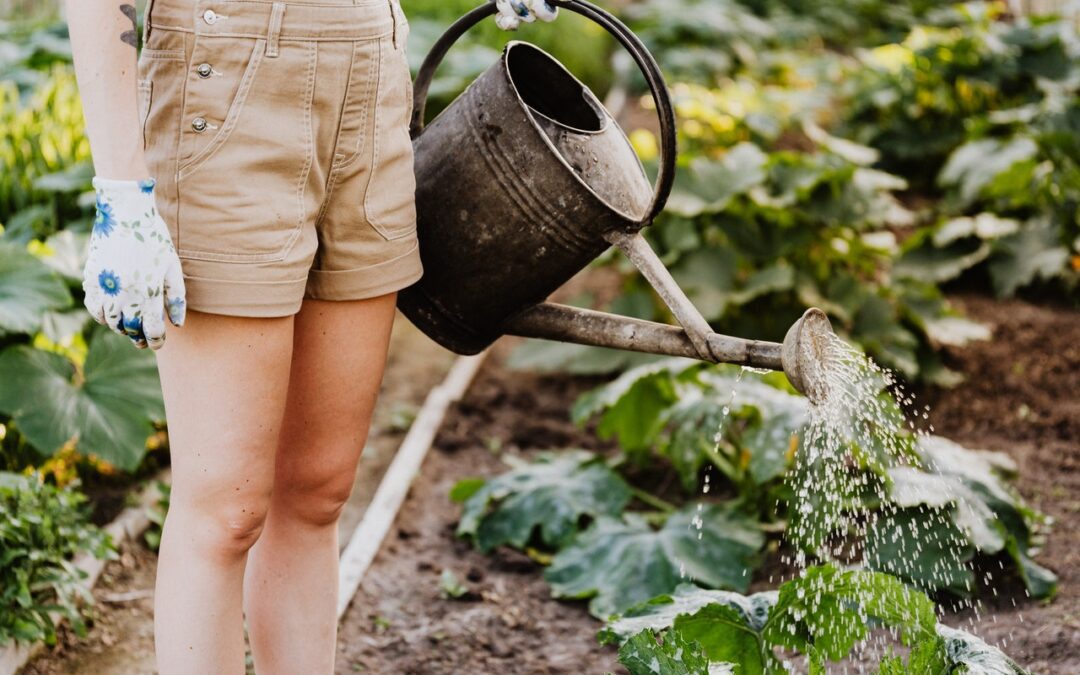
(339, 357)
(224, 379)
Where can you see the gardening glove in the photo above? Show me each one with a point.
(132, 276)
(513, 12)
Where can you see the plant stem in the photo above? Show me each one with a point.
(652, 500)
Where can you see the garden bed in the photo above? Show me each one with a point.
(1019, 398)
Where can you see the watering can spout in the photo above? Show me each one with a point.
(803, 356)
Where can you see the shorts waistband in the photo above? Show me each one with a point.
(295, 19)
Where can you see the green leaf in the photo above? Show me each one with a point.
(551, 494)
(725, 636)
(975, 164)
(28, 289)
(929, 262)
(450, 586)
(707, 185)
(978, 477)
(977, 657)
(75, 177)
(632, 403)
(900, 542)
(109, 410)
(62, 326)
(912, 487)
(1035, 252)
(465, 488)
(927, 657)
(827, 611)
(643, 655)
(65, 252)
(659, 613)
(621, 562)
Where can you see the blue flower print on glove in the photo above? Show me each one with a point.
(133, 278)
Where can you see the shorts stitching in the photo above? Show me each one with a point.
(231, 116)
(309, 146)
(375, 129)
(372, 83)
(331, 178)
(163, 54)
(373, 266)
(178, 130)
(276, 282)
(282, 38)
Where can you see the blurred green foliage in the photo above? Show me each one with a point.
(42, 528)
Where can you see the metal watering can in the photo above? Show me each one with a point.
(526, 178)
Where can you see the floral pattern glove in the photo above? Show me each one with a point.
(512, 13)
(132, 276)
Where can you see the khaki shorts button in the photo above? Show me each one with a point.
(204, 69)
(199, 124)
(209, 16)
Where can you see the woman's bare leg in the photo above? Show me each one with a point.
(290, 590)
(225, 380)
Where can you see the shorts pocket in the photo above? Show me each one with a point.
(220, 75)
(243, 194)
(390, 200)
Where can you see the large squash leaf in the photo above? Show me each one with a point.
(551, 495)
(826, 612)
(822, 614)
(28, 289)
(963, 492)
(660, 612)
(107, 407)
(620, 562)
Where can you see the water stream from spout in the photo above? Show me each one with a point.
(867, 425)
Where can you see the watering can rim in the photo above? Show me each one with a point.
(623, 35)
(604, 115)
(609, 126)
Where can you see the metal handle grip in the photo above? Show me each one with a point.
(622, 34)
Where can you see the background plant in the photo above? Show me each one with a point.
(42, 527)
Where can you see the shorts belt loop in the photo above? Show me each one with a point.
(393, 16)
(276, 15)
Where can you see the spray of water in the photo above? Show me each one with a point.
(862, 426)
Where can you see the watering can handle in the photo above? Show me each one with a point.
(620, 32)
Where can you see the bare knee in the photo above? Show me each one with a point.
(224, 528)
(317, 498)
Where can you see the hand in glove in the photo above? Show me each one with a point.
(132, 276)
(513, 12)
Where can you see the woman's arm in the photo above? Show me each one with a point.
(103, 43)
(132, 279)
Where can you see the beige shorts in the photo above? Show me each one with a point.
(278, 134)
